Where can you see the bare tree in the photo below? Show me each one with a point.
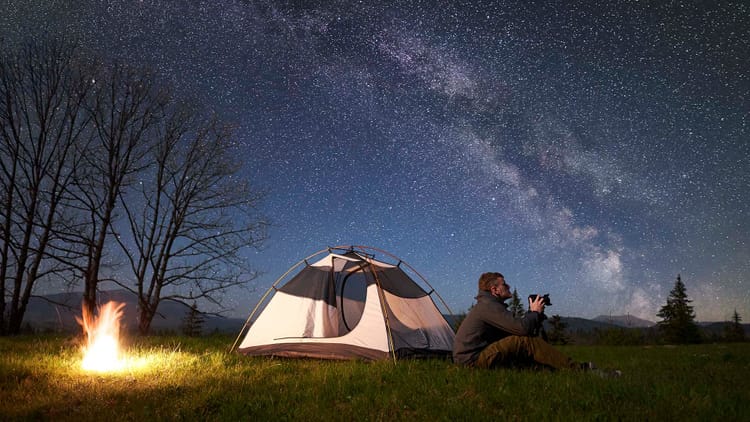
(125, 108)
(42, 93)
(193, 216)
(73, 143)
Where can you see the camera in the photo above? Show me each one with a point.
(540, 330)
(546, 299)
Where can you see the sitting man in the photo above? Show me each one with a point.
(490, 336)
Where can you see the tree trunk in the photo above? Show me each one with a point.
(89, 289)
(145, 316)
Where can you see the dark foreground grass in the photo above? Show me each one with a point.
(195, 379)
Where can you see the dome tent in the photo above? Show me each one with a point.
(348, 305)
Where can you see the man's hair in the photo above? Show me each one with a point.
(488, 280)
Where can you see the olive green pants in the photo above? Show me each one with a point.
(523, 351)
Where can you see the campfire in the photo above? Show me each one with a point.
(102, 350)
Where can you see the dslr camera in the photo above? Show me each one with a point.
(546, 299)
(540, 330)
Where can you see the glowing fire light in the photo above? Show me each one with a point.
(102, 351)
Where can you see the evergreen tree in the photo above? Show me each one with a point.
(734, 331)
(678, 318)
(192, 324)
(516, 306)
(558, 335)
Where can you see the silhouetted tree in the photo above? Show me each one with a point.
(678, 319)
(558, 335)
(192, 324)
(733, 330)
(516, 305)
(191, 215)
(42, 123)
(124, 109)
(82, 141)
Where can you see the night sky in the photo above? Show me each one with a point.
(590, 150)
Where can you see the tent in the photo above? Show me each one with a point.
(348, 305)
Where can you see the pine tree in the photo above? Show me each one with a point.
(734, 331)
(558, 335)
(192, 324)
(516, 306)
(678, 318)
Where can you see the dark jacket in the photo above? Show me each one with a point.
(487, 322)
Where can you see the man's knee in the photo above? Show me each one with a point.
(520, 343)
(523, 344)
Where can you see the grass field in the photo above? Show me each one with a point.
(175, 378)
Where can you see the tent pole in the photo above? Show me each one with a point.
(384, 310)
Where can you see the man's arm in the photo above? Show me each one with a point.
(500, 317)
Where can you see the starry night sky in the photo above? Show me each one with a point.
(592, 150)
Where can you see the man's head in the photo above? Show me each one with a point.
(494, 283)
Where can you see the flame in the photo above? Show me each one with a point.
(102, 351)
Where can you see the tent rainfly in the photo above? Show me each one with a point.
(348, 305)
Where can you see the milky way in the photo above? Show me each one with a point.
(590, 150)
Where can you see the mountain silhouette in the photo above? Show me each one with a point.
(58, 312)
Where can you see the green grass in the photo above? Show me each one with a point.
(195, 379)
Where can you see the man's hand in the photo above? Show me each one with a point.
(537, 305)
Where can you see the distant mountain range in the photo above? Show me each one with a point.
(604, 322)
(627, 321)
(573, 324)
(57, 312)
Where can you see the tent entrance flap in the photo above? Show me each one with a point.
(352, 296)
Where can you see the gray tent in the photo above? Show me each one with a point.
(348, 305)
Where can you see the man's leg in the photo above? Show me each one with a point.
(514, 350)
